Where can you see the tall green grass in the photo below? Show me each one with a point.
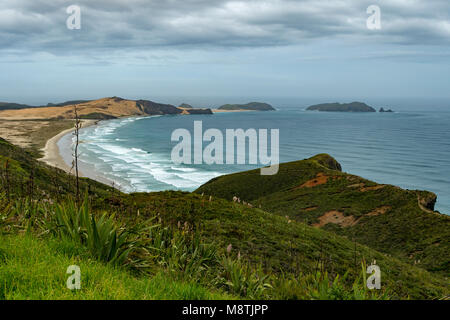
(182, 252)
(36, 269)
(5, 213)
(106, 239)
(239, 278)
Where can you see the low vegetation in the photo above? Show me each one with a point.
(175, 245)
(397, 222)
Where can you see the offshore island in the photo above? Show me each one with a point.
(342, 107)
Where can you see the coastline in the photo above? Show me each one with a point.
(52, 155)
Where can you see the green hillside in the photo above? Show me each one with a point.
(398, 222)
(175, 245)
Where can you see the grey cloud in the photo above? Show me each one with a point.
(111, 25)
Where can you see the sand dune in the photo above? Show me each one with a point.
(101, 109)
(108, 107)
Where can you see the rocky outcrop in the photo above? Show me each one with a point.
(327, 161)
(197, 111)
(188, 109)
(426, 200)
(154, 108)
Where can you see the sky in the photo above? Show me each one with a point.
(315, 49)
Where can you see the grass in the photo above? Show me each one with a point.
(180, 261)
(279, 245)
(105, 239)
(24, 176)
(404, 230)
(34, 269)
(185, 251)
(40, 136)
(36, 132)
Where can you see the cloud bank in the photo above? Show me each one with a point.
(120, 25)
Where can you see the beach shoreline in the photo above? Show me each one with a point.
(52, 154)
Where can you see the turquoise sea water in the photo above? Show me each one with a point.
(408, 149)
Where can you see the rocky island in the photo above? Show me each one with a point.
(342, 107)
(252, 106)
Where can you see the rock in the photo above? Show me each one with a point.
(427, 199)
(327, 161)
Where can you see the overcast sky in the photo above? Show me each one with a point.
(194, 48)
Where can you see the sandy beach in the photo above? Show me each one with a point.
(52, 155)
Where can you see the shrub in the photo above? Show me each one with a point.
(105, 239)
(182, 253)
(240, 279)
(319, 286)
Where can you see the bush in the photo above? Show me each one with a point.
(182, 253)
(319, 286)
(240, 279)
(105, 239)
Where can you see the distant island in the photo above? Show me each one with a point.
(383, 110)
(342, 107)
(188, 109)
(252, 106)
(185, 106)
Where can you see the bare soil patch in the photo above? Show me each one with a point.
(379, 210)
(377, 187)
(320, 179)
(335, 217)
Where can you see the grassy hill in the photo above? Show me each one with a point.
(101, 109)
(389, 219)
(177, 245)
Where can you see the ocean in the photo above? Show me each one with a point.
(410, 149)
